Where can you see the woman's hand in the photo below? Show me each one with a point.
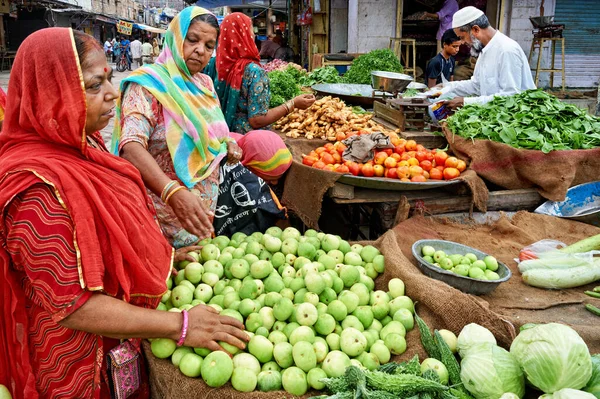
(304, 101)
(191, 213)
(206, 328)
(234, 152)
(183, 253)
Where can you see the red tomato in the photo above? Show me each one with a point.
(340, 136)
(426, 165)
(440, 158)
(342, 169)
(451, 173)
(380, 158)
(318, 165)
(418, 178)
(390, 162)
(436, 174)
(399, 149)
(388, 151)
(354, 168)
(411, 145)
(309, 161)
(421, 156)
(451, 162)
(320, 150)
(391, 173)
(421, 148)
(328, 146)
(461, 165)
(402, 172)
(367, 170)
(327, 158)
(379, 170)
(397, 157)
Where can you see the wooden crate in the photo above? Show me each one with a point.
(427, 139)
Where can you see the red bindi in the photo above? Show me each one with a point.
(105, 69)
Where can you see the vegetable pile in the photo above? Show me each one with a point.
(283, 86)
(464, 265)
(407, 161)
(279, 65)
(532, 120)
(376, 60)
(308, 303)
(329, 119)
(326, 74)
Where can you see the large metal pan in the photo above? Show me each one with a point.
(352, 94)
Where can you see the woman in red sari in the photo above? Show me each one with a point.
(83, 261)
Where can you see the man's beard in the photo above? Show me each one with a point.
(476, 46)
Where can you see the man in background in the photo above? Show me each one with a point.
(270, 46)
(147, 52)
(444, 15)
(126, 47)
(502, 68)
(136, 52)
(443, 63)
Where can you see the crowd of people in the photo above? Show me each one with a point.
(89, 235)
(140, 51)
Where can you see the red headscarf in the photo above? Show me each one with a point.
(236, 49)
(121, 250)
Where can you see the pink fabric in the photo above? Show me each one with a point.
(264, 153)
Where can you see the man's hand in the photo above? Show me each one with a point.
(455, 103)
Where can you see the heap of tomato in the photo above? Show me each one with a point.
(407, 161)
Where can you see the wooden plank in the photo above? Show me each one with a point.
(427, 139)
(342, 191)
(437, 202)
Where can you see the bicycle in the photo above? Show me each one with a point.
(122, 64)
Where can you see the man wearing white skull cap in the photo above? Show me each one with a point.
(502, 68)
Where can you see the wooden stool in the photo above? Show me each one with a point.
(397, 43)
(539, 42)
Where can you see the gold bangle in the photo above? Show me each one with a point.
(173, 192)
(291, 105)
(167, 188)
(287, 109)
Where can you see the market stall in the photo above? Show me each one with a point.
(441, 305)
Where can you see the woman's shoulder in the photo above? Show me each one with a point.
(254, 69)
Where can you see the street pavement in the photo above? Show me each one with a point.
(117, 77)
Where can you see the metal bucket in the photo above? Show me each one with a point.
(582, 203)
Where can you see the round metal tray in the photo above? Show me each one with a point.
(347, 92)
(465, 284)
(381, 183)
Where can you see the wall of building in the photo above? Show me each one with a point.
(371, 23)
(338, 26)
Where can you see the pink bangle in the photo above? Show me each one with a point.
(184, 328)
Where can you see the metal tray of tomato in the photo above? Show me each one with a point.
(465, 284)
(384, 183)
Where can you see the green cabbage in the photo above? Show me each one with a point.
(593, 385)
(488, 371)
(509, 395)
(473, 334)
(553, 356)
(568, 393)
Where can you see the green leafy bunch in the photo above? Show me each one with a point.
(533, 120)
(376, 60)
(283, 87)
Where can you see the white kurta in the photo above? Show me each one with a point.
(501, 70)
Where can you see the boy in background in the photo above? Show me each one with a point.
(443, 63)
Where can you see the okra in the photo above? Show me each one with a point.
(427, 339)
(449, 360)
(592, 294)
(593, 309)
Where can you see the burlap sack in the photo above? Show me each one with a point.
(304, 186)
(512, 168)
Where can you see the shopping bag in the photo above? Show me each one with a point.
(246, 202)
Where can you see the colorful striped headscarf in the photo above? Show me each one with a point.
(265, 153)
(235, 51)
(196, 131)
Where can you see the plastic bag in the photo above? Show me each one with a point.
(550, 249)
(246, 202)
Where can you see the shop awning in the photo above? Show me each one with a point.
(106, 19)
(149, 28)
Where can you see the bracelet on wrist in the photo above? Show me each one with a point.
(287, 109)
(184, 328)
(167, 188)
(173, 192)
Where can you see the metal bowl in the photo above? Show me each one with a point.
(390, 82)
(542, 22)
(465, 284)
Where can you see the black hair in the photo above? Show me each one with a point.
(450, 37)
(483, 22)
(85, 44)
(209, 19)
